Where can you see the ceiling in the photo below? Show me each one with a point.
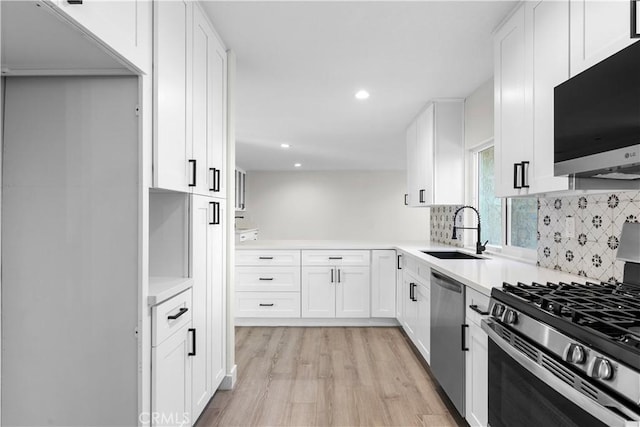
(300, 63)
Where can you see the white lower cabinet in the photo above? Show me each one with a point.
(171, 358)
(383, 283)
(335, 291)
(422, 294)
(476, 362)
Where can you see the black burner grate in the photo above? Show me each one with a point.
(609, 311)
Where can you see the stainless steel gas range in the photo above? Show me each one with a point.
(564, 354)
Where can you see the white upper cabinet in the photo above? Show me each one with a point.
(190, 105)
(512, 129)
(435, 155)
(123, 26)
(598, 30)
(549, 61)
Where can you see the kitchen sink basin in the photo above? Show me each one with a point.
(451, 255)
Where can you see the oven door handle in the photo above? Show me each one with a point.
(599, 410)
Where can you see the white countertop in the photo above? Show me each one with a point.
(481, 275)
(163, 288)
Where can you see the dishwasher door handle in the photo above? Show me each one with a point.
(447, 283)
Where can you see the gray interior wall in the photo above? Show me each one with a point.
(70, 251)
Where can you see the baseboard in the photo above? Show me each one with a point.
(262, 321)
(229, 380)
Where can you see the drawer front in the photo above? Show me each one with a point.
(267, 304)
(336, 258)
(424, 272)
(282, 279)
(170, 316)
(410, 264)
(474, 297)
(271, 257)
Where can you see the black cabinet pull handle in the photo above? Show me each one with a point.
(193, 342)
(525, 174)
(193, 172)
(216, 213)
(422, 196)
(634, 17)
(265, 257)
(475, 308)
(216, 180)
(332, 275)
(399, 266)
(266, 305)
(516, 175)
(406, 199)
(411, 294)
(339, 275)
(463, 340)
(335, 257)
(212, 206)
(266, 278)
(180, 312)
(74, 1)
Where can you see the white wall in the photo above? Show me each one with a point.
(478, 117)
(363, 205)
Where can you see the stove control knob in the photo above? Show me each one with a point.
(601, 368)
(575, 354)
(511, 317)
(498, 309)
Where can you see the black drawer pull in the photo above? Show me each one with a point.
(193, 342)
(266, 305)
(193, 173)
(399, 266)
(475, 308)
(335, 257)
(266, 278)
(216, 180)
(265, 257)
(406, 200)
(180, 312)
(422, 196)
(464, 341)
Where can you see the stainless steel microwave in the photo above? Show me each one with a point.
(597, 120)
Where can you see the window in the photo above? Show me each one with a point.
(516, 234)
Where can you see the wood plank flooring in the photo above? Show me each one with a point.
(327, 377)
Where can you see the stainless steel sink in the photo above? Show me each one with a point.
(451, 255)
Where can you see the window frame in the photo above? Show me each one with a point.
(506, 249)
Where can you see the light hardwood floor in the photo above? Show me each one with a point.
(327, 377)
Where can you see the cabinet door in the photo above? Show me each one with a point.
(124, 26)
(423, 320)
(383, 283)
(201, 255)
(352, 292)
(216, 271)
(318, 292)
(171, 382)
(412, 164)
(598, 30)
(400, 293)
(512, 128)
(217, 150)
(550, 61)
(477, 377)
(172, 80)
(424, 156)
(410, 308)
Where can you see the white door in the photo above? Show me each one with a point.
(318, 292)
(171, 390)
(217, 154)
(216, 271)
(425, 145)
(352, 292)
(201, 253)
(412, 164)
(512, 127)
(383, 283)
(550, 61)
(477, 379)
(400, 294)
(423, 323)
(598, 30)
(172, 145)
(410, 307)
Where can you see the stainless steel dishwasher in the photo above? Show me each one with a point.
(447, 336)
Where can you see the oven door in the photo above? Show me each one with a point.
(523, 391)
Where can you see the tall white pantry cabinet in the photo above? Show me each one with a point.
(114, 182)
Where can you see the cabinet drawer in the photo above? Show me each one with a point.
(474, 297)
(410, 264)
(336, 258)
(167, 318)
(268, 279)
(277, 257)
(267, 304)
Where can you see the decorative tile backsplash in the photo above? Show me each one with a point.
(598, 224)
(442, 225)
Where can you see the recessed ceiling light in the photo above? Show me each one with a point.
(297, 165)
(362, 94)
(284, 146)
